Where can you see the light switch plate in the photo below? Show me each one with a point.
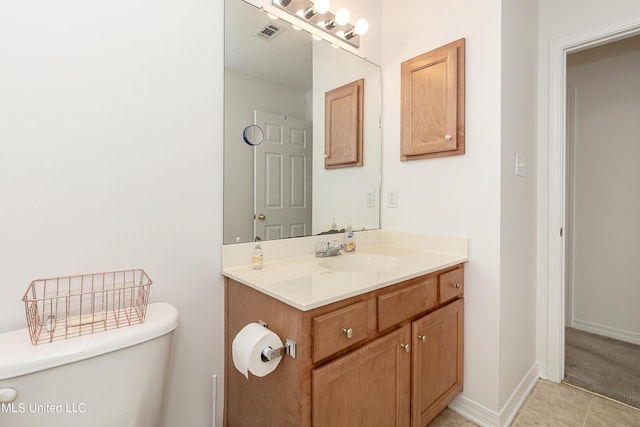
(392, 199)
(521, 165)
(371, 199)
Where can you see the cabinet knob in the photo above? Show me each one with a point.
(407, 347)
(456, 285)
(422, 338)
(447, 137)
(348, 332)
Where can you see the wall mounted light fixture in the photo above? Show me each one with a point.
(317, 13)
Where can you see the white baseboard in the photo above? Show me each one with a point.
(607, 331)
(485, 417)
(475, 412)
(519, 395)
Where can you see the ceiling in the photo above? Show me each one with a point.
(284, 60)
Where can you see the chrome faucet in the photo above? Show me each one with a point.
(327, 249)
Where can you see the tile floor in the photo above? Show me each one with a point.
(559, 405)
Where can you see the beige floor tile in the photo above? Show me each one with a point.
(549, 405)
(565, 393)
(449, 418)
(604, 412)
(529, 418)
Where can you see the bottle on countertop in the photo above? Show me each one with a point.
(349, 239)
(256, 257)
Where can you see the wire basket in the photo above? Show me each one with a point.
(71, 306)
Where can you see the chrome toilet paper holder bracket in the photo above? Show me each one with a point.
(269, 353)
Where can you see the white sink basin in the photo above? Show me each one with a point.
(360, 263)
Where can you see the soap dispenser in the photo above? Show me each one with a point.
(349, 239)
(256, 257)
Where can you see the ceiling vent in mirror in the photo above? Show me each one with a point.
(269, 31)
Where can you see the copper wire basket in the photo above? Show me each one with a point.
(66, 307)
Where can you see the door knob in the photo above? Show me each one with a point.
(261, 217)
(422, 338)
(407, 347)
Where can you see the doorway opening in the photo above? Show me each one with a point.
(557, 195)
(602, 333)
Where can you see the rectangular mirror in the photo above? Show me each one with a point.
(276, 77)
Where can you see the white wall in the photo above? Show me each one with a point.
(243, 95)
(457, 195)
(349, 203)
(606, 207)
(518, 195)
(111, 139)
(557, 20)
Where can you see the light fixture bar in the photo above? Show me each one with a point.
(327, 22)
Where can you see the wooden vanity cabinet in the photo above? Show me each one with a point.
(437, 353)
(390, 357)
(366, 387)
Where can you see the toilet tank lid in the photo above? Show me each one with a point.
(20, 357)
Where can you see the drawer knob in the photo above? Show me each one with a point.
(448, 137)
(407, 347)
(456, 285)
(422, 338)
(348, 332)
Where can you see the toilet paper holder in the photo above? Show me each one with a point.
(269, 353)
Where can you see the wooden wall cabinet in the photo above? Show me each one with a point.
(433, 103)
(390, 357)
(344, 107)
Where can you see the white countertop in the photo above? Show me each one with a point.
(302, 283)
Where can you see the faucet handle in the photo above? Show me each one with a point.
(322, 247)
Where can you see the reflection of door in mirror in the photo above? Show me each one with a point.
(282, 188)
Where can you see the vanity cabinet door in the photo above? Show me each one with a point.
(367, 387)
(437, 353)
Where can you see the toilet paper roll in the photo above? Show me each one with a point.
(246, 350)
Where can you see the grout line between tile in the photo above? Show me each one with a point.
(584, 423)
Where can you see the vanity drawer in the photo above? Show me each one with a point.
(339, 329)
(451, 284)
(405, 303)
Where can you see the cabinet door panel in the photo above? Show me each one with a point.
(437, 361)
(343, 125)
(432, 105)
(367, 387)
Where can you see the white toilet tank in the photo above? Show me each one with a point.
(112, 378)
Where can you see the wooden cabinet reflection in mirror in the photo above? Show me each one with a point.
(343, 125)
(432, 108)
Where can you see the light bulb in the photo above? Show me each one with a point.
(340, 34)
(342, 16)
(321, 6)
(361, 26)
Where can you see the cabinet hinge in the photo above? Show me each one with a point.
(560, 231)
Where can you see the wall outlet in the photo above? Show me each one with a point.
(371, 199)
(392, 199)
